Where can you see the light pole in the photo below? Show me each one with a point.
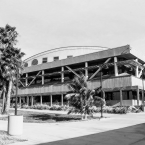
(16, 90)
(101, 92)
(143, 90)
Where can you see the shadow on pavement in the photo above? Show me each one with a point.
(133, 135)
(56, 117)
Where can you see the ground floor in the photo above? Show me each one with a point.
(118, 97)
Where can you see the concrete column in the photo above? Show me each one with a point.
(20, 101)
(41, 99)
(27, 100)
(62, 74)
(137, 90)
(121, 98)
(42, 77)
(50, 100)
(115, 66)
(61, 99)
(86, 70)
(26, 80)
(136, 70)
(32, 99)
(142, 97)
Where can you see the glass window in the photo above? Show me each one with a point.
(34, 62)
(44, 60)
(55, 58)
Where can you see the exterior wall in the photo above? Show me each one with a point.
(137, 82)
(62, 53)
(79, 59)
(112, 82)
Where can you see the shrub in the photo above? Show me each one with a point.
(133, 109)
(55, 107)
(120, 110)
(108, 109)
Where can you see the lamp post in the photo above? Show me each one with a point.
(101, 92)
(143, 90)
(16, 97)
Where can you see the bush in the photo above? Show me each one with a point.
(133, 109)
(93, 109)
(25, 106)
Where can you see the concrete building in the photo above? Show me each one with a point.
(47, 74)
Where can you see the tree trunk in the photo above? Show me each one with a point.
(7, 102)
(3, 105)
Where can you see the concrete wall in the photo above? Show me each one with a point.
(137, 81)
(62, 53)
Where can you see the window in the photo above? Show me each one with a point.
(69, 56)
(35, 62)
(55, 58)
(44, 60)
(25, 64)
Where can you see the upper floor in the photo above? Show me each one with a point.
(61, 53)
(116, 62)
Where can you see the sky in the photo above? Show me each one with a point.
(47, 24)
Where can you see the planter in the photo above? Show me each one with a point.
(15, 125)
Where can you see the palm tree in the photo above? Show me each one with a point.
(81, 98)
(10, 62)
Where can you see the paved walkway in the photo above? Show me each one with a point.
(115, 130)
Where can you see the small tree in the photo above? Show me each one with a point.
(81, 98)
(10, 63)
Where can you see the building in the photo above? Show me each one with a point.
(47, 74)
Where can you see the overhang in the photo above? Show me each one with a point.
(124, 51)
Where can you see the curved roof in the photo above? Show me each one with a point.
(99, 48)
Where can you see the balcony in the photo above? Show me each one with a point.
(60, 88)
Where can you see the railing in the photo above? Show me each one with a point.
(113, 82)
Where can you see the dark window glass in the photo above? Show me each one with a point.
(44, 60)
(55, 58)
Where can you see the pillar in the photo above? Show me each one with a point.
(26, 80)
(121, 98)
(50, 100)
(41, 99)
(32, 100)
(115, 66)
(42, 77)
(86, 70)
(61, 99)
(27, 100)
(20, 100)
(62, 74)
(137, 90)
(136, 70)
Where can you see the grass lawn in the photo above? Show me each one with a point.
(7, 139)
(37, 117)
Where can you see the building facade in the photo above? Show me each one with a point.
(47, 74)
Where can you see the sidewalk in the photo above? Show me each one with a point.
(116, 130)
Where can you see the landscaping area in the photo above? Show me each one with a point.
(39, 117)
(93, 109)
(43, 117)
(7, 139)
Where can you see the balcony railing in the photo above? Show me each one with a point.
(112, 82)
